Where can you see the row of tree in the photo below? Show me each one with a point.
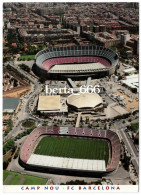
(10, 145)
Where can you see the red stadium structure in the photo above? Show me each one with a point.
(47, 64)
(109, 135)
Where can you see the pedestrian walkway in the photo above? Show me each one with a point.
(78, 119)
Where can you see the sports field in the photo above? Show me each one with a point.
(73, 148)
(13, 178)
(27, 57)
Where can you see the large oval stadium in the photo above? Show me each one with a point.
(75, 61)
(71, 150)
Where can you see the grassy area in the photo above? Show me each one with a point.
(135, 127)
(44, 124)
(27, 57)
(7, 155)
(10, 126)
(28, 124)
(16, 153)
(9, 145)
(19, 179)
(73, 148)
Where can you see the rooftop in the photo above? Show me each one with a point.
(132, 81)
(67, 163)
(10, 103)
(84, 100)
(49, 103)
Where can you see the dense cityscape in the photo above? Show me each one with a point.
(70, 137)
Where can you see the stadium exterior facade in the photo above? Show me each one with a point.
(75, 61)
(34, 137)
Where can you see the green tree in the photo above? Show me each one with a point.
(9, 145)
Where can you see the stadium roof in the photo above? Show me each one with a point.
(84, 100)
(67, 163)
(49, 103)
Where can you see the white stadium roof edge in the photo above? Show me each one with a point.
(66, 163)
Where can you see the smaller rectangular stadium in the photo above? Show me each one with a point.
(67, 163)
(100, 145)
(49, 103)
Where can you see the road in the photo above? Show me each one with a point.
(31, 78)
(120, 126)
(24, 112)
(22, 115)
(131, 149)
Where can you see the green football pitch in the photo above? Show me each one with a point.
(13, 178)
(27, 57)
(73, 148)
